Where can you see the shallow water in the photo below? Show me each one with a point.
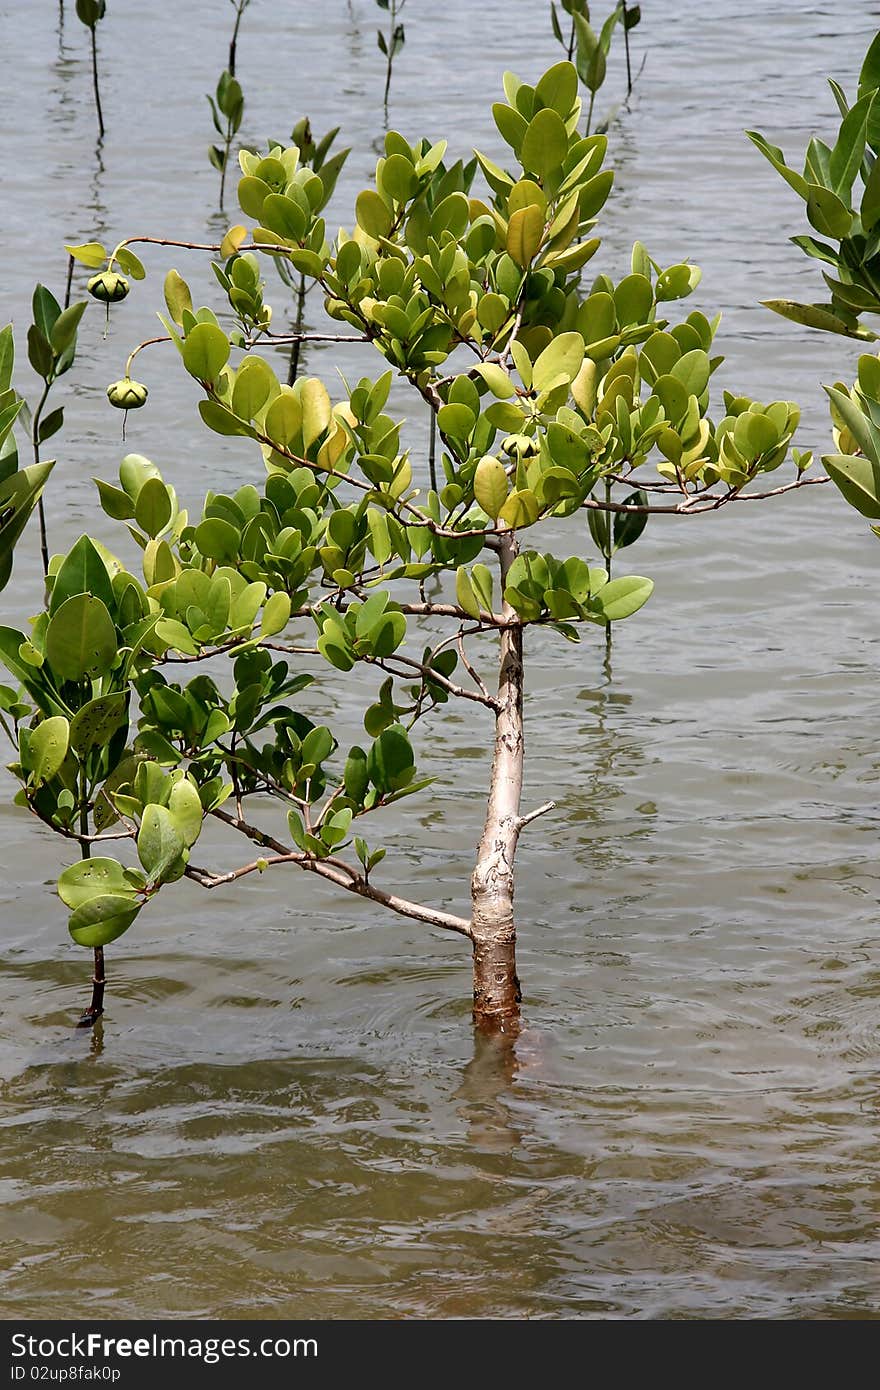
(285, 1113)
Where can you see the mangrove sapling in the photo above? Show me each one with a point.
(841, 187)
(588, 50)
(391, 43)
(171, 695)
(91, 12)
(51, 349)
(630, 17)
(20, 488)
(227, 110)
(239, 6)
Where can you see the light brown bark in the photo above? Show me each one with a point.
(493, 928)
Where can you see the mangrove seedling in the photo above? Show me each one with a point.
(239, 6)
(227, 109)
(168, 694)
(841, 188)
(588, 50)
(51, 349)
(91, 12)
(392, 42)
(20, 488)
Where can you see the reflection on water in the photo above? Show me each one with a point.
(284, 1112)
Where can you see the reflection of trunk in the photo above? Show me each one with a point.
(496, 987)
(96, 1008)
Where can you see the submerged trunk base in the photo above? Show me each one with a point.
(497, 994)
(90, 1016)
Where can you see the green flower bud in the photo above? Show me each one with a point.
(108, 286)
(127, 394)
(520, 446)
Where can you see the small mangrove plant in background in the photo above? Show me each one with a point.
(51, 349)
(91, 12)
(840, 186)
(589, 50)
(227, 110)
(157, 694)
(390, 42)
(239, 7)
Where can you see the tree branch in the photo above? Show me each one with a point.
(334, 870)
(696, 503)
(433, 677)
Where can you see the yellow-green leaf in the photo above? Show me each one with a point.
(490, 485)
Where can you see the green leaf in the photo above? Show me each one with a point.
(177, 297)
(102, 920)
(252, 193)
(545, 144)
(159, 842)
(316, 410)
(96, 722)
(90, 253)
(356, 775)
(870, 209)
(48, 748)
(93, 878)
(19, 494)
(490, 485)
(628, 526)
(46, 310)
(622, 597)
(848, 152)
(857, 480)
(276, 614)
(153, 508)
(390, 761)
(82, 572)
(817, 316)
(63, 333)
(775, 157)
(40, 354)
(525, 231)
(205, 351)
(827, 213)
(558, 88)
(253, 383)
(373, 214)
(521, 509)
(218, 539)
(484, 585)
(497, 380)
(456, 419)
(863, 430)
(590, 55)
(562, 357)
(81, 639)
(464, 593)
(185, 809)
(130, 263)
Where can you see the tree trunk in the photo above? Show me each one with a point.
(496, 987)
(91, 1015)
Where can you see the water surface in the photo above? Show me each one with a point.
(285, 1113)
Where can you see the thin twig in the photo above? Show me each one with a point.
(472, 672)
(533, 815)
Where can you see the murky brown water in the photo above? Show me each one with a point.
(285, 1112)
